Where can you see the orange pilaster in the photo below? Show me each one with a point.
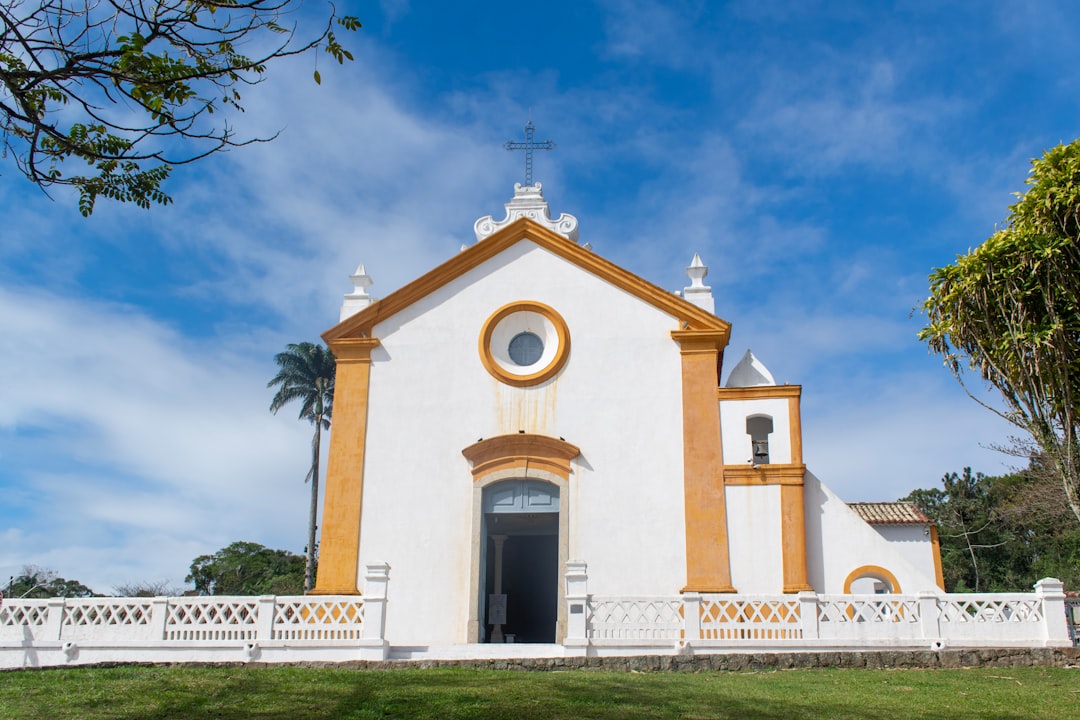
(339, 548)
(708, 568)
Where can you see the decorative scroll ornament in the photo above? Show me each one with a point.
(528, 202)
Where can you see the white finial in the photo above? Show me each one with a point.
(528, 202)
(698, 292)
(750, 372)
(697, 272)
(463, 247)
(358, 299)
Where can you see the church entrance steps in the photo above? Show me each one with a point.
(478, 651)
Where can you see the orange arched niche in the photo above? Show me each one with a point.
(874, 571)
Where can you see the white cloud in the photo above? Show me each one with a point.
(125, 441)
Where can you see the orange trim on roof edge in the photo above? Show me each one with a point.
(361, 324)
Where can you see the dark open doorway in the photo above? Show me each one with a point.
(530, 574)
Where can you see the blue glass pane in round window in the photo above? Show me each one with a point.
(526, 349)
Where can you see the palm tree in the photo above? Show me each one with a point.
(306, 373)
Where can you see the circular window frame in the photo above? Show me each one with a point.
(514, 318)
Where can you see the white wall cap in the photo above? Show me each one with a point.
(750, 372)
(358, 299)
(528, 202)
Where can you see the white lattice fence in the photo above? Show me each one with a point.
(731, 618)
(641, 618)
(23, 620)
(968, 617)
(212, 619)
(887, 618)
(806, 619)
(106, 619)
(315, 618)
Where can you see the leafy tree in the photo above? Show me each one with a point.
(997, 535)
(247, 568)
(1010, 311)
(37, 582)
(306, 374)
(130, 87)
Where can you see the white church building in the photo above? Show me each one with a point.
(529, 413)
(534, 456)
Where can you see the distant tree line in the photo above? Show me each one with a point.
(242, 568)
(1004, 533)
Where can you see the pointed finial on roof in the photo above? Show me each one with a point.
(698, 292)
(750, 372)
(358, 299)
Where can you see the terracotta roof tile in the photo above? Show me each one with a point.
(889, 513)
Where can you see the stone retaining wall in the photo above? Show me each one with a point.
(748, 662)
(735, 662)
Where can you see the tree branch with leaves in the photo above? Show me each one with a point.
(1009, 310)
(131, 88)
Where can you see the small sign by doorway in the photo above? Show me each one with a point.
(496, 609)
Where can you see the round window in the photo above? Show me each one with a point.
(526, 349)
(524, 343)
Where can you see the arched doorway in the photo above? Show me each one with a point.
(519, 565)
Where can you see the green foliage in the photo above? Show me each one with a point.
(1010, 311)
(122, 84)
(36, 582)
(246, 568)
(998, 534)
(306, 375)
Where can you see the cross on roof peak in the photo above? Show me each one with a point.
(528, 146)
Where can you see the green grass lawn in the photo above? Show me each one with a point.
(297, 693)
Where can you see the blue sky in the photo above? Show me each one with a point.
(821, 157)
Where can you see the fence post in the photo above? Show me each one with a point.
(577, 605)
(1051, 592)
(373, 631)
(264, 621)
(808, 614)
(159, 614)
(691, 607)
(54, 618)
(929, 617)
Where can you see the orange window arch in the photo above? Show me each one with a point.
(874, 571)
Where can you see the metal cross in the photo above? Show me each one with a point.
(528, 146)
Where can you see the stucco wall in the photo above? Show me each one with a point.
(754, 539)
(838, 542)
(911, 541)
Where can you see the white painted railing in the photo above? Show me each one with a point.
(332, 628)
(924, 620)
(207, 629)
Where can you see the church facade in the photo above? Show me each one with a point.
(529, 406)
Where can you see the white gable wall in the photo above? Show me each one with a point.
(618, 398)
(839, 541)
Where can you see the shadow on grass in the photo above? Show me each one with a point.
(289, 693)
